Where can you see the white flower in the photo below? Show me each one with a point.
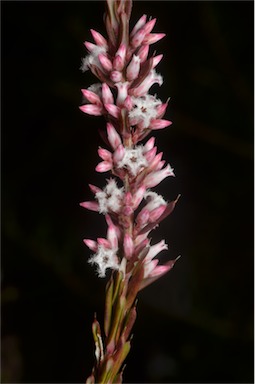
(133, 160)
(92, 58)
(145, 109)
(104, 258)
(154, 200)
(110, 198)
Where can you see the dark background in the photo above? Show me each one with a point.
(196, 323)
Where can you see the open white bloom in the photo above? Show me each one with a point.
(144, 109)
(92, 58)
(104, 258)
(154, 200)
(133, 160)
(110, 198)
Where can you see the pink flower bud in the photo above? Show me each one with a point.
(113, 110)
(92, 97)
(148, 27)
(149, 155)
(156, 60)
(105, 154)
(98, 38)
(160, 270)
(143, 53)
(113, 136)
(160, 165)
(128, 246)
(91, 109)
(105, 62)
(137, 39)
(159, 124)
(104, 242)
(161, 110)
(91, 244)
(121, 52)
(116, 76)
(118, 154)
(155, 162)
(133, 68)
(149, 145)
(118, 63)
(140, 23)
(143, 217)
(90, 46)
(119, 59)
(104, 166)
(94, 188)
(152, 38)
(156, 213)
(107, 94)
(154, 178)
(138, 196)
(110, 222)
(112, 236)
(91, 205)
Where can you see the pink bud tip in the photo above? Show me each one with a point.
(107, 94)
(91, 109)
(149, 145)
(156, 60)
(91, 205)
(104, 166)
(143, 52)
(140, 23)
(91, 97)
(104, 154)
(94, 188)
(113, 136)
(159, 124)
(91, 244)
(90, 46)
(149, 25)
(152, 38)
(99, 39)
(118, 154)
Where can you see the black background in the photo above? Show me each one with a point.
(196, 323)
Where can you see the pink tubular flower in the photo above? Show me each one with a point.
(125, 69)
(153, 179)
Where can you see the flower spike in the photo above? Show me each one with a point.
(125, 69)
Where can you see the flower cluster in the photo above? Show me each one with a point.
(126, 72)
